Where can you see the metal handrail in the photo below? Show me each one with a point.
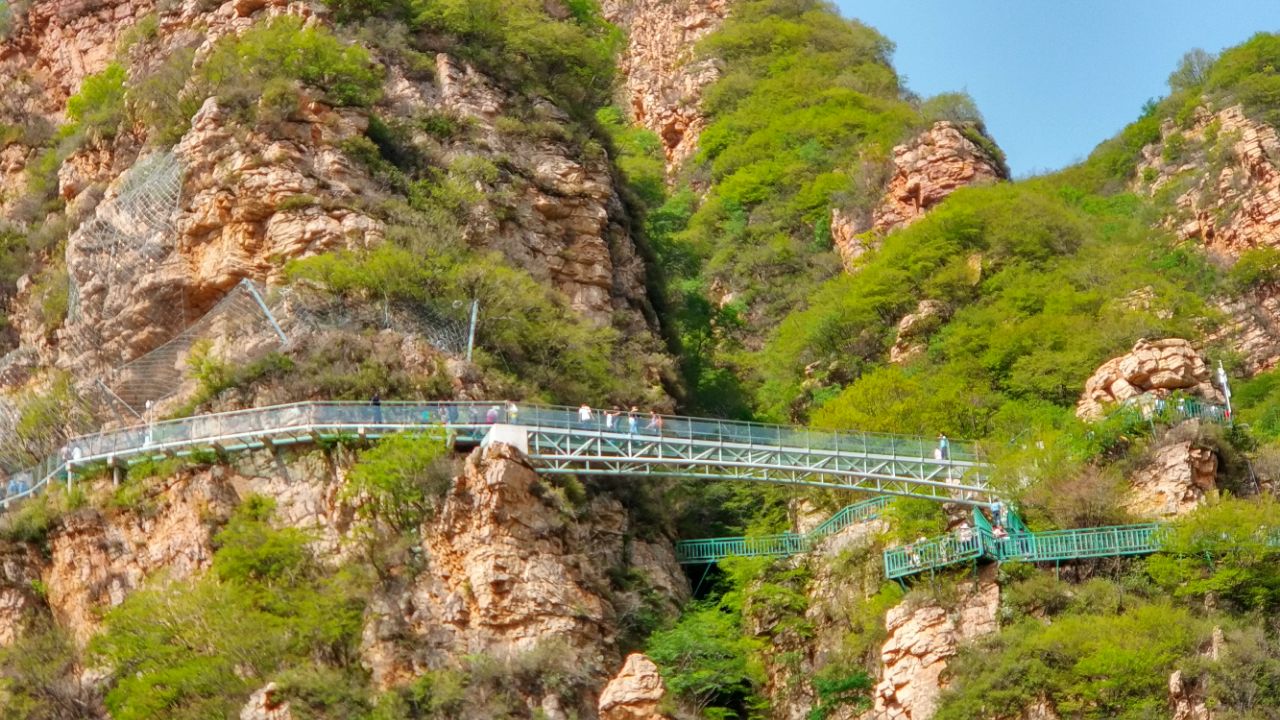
(222, 430)
(708, 550)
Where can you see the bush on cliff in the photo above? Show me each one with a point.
(282, 55)
(197, 648)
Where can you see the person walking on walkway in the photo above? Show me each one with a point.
(611, 418)
(631, 419)
(585, 416)
(513, 412)
(376, 402)
(491, 416)
(655, 422)
(944, 447)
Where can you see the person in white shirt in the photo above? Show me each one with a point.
(584, 414)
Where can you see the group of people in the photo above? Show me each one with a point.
(612, 417)
(509, 412)
(954, 543)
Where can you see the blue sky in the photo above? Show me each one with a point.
(1055, 78)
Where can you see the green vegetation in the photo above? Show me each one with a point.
(196, 648)
(99, 106)
(518, 41)
(1109, 661)
(525, 330)
(1028, 273)
(266, 67)
(400, 480)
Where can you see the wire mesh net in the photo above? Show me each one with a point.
(237, 330)
(138, 223)
(444, 324)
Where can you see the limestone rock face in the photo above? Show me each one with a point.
(1252, 328)
(248, 203)
(95, 561)
(1186, 699)
(914, 329)
(1234, 208)
(507, 570)
(1177, 480)
(60, 42)
(935, 164)
(1153, 366)
(263, 705)
(663, 78)
(850, 238)
(634, 693)
(921, 641)
(19, 570)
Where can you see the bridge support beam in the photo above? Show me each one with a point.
(516, 436)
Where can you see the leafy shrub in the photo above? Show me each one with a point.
(401, 479)
(1224, 553)
(523, 327)
(99, 106)
(39, 677)
(277, 54)
(638, 155)
(1256, 267)
(1112, 664)
(705, 660)
(519, 41)
(52, 296)
(158, 99)
(197, 648)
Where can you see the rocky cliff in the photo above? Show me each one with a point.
(1222, 176)
(663, 76)
(511, 565)
(935, 163)
(922, 639)
(253, 196)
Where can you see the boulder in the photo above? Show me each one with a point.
(635, 692)
(1158, 367)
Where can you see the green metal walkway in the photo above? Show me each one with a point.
(979, 543)
(696, 552)
(558, 441)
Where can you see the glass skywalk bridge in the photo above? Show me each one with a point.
(558, 442)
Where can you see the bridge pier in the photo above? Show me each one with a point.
(516, 436)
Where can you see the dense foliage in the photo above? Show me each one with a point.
(196, 648)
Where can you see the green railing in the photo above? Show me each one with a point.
(710, 550)
(1175, 410)
(1053, 546)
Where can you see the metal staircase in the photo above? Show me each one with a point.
(710, 550)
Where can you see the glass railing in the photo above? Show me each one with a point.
(250, 426)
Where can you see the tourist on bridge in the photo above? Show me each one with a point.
(376, 402)
(655, 422)
(513, 412)
(585, 416)
(999, 533)
(631, 419)
(944, 448)
(491, 417)
(964, 533)
(611, 418)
